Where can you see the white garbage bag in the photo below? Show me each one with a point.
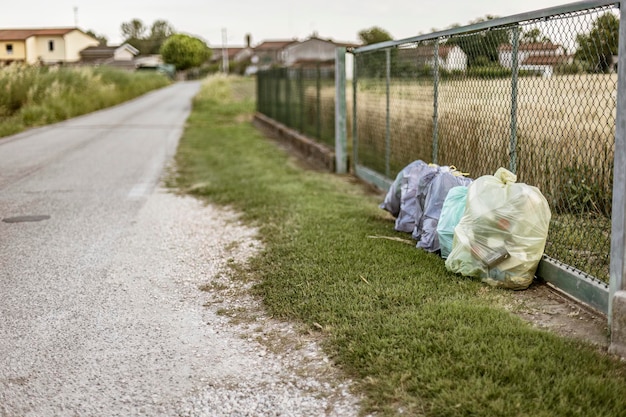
(502, 234)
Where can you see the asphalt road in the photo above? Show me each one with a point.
(91, 175)
(100, 269)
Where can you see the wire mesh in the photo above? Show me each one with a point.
(535, 96)
(300, 98)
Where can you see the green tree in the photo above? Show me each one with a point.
(184, 51)
(133, 33)
(146, 41)
(159, 32)
(534, 36)
(596, 48)
(374, 35)
(374, 64)
(481, 47)
(101, 38)
(133, 29)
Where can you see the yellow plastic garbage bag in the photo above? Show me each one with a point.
(502, 234)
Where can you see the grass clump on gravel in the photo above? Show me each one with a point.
(36, 96)
(416, 339)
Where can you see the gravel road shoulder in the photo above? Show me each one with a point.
(261, 366)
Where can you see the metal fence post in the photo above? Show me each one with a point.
(275, 90)
(318, 104)
(288, 121)
(341, 148)
(617, 295)
(259, 97)
(355, 141)
(514, 77)
(388, 114)
(436, 103)
(301, 98)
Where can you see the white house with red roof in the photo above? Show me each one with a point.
(45, 46)
(541, 57)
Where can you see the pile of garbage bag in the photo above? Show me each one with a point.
(492, 228)
(416, 198)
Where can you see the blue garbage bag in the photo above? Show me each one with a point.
(451, 213)
(413, 195)
(391, 203)
(435, 194)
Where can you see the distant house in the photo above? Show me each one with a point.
(234, 54)
(118, 56)
(45, 46)
(280, 53)
(107, 54)
(313, 50)
(450, 57)
(269, 53)
(541, 57)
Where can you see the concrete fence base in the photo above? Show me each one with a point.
(315, 153)
(618, 325)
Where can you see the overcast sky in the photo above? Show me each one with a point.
(340, 20)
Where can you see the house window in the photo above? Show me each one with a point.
(9, 49)
(50, 46)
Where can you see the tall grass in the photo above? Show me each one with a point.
(35, 96)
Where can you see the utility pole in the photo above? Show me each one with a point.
(75, 16)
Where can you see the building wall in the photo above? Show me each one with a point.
(31, 50)
(19, 51)
(43, 52)
(312, 49)
(456, 60)
(123, 54)
(76, 41)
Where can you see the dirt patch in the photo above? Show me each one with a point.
(547, 308)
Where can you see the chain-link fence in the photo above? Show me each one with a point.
(300, 98)
(535, 93)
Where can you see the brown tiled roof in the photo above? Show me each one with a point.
(99, 49)
(231, 51)
(337, 43)
(424, 51)
(23, 34)
(273, 45)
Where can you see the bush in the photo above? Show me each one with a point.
(491, 71)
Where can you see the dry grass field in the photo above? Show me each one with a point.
(564, 123)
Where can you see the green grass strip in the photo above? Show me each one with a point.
(417, 339)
